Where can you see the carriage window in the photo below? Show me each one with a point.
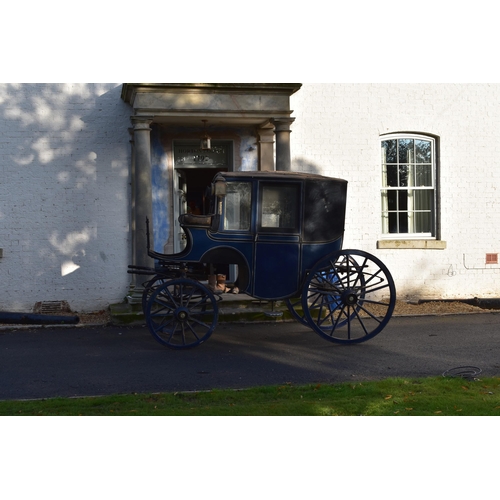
(408, 186)
(237, 206)
(280, 207)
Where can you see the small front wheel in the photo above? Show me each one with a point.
(348, 297)
(181, 313)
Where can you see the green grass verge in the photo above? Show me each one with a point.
(429, 396)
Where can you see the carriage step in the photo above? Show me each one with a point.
(232, 309)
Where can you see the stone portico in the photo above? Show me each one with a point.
(263, 108)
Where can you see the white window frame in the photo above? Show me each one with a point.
(385, 234)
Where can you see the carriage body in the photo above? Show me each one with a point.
(283, 233)
(273, 226)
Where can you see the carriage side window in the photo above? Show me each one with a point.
(408, 186)
(237, 203)
(280, 207)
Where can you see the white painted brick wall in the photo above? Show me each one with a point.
(336, 132)
(64, 201)
(64, 198)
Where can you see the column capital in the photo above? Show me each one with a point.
(141, 122)
(282, 124)
(266, 135)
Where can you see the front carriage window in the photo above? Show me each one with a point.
(237, 203)
(408, 186)
(280, 207)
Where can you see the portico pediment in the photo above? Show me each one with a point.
(221, 103)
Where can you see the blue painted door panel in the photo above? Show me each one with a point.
(276, 270)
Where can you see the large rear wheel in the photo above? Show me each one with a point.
(294, 304)
(348, 297)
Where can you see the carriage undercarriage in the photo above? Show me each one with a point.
(347, 298)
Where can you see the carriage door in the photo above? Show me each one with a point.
(277, 248)
(194, 169)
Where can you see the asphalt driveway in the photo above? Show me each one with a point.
(86, 361)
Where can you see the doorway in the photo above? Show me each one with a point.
(194, 170)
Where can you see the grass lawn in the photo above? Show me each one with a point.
(398, 397)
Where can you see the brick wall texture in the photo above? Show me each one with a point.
(337, 132)
(65, 194)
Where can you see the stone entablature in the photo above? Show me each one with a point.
(229, 103)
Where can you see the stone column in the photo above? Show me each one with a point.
(282, 132)
(142, 203)
(266, 147)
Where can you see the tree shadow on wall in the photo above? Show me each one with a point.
(303, 165)
(65, 157)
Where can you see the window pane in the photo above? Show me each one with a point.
(405, 150)
(280, 206)
(403, 200)
(422, 221)
(392, 200)
(237, 206)
(423, 175)
(393, 222)
(423, 151)
(392, 175)
(389, 152)
(422, 199)
(403, 175)
(403, 222)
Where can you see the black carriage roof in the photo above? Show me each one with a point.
(277, 176)
(324, 201)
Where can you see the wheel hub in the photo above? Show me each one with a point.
(349, 298)
(181, 314)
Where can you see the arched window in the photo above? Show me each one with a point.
(408, 186)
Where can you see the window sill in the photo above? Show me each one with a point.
(412, 244)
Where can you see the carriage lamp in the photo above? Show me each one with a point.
(205, 140)
(219, 188)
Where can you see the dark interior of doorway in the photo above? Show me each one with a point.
(197, 182)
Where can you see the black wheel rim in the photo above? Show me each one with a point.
(349, 297)
(181, 313)
(295, 307)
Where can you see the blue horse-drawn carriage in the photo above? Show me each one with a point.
(282, 233)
